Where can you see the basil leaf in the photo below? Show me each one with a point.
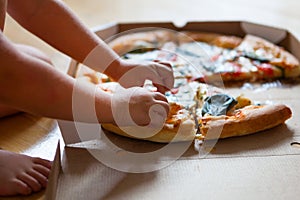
(218, 104)
(254, 56)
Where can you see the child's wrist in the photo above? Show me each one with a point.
(114, 69)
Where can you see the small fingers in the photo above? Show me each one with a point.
(165, 73)
(158, 114)
(168, 64)
(166, 108)
(160, 88)
(160, 96)
(162, 101)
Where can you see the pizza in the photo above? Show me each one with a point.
(200, 111)
(210, 57)
(198, 108)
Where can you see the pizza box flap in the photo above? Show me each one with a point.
(273, 177)
(50, 193)
(77, 132)
(238, 28)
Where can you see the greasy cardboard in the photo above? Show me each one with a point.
(259, 166)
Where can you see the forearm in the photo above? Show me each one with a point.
(34, 86)
(53, 22)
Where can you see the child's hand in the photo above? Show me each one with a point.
(135, 73)
(138, 106)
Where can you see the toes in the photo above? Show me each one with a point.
(43, 162)
(33, 183)
(20, 188)
(42, 170)
(15, 187)
(40, 177)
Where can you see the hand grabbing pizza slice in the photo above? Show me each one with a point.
(209, 114)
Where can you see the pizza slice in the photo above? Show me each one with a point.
(215, 64)
(210, 57)
(178, 127)
(263, 51)
(180, 124)
(200, 111)
(243, 120)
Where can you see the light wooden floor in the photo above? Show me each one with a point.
(38, 136)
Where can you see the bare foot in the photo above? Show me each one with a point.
(21, 174)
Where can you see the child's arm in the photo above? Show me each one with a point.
(33, 85)
(53, 22)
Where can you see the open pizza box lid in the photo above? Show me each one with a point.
(93, 164)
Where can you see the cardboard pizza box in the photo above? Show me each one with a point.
(93, 164)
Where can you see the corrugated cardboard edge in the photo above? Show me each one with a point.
(50, 193)
(68, 131)
(276, 36)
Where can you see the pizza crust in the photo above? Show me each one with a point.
(141, 40)
(219, 40)
(157, 38)
(252, 119)
(185, 132)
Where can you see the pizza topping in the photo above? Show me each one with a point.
(228, 42)
(142, 47)
(218, 104)
(242, 102)
(250, 59)
(266, 69)
(149, 55)
(176, 116)
(262, 50)
(198, 108)
(257, 55)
